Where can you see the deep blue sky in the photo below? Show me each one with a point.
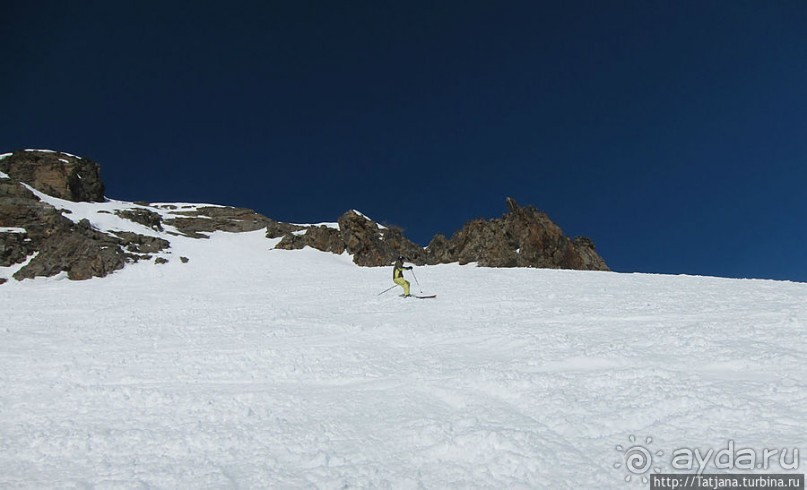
(673, 133)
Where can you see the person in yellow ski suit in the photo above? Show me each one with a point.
(397, 275)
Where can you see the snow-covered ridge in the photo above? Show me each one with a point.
(105, 216)
(152, 232)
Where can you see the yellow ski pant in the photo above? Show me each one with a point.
(403, 283)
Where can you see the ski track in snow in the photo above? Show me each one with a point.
(250, 367)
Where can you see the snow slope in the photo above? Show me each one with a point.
(256, 368)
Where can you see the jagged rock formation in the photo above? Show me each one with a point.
(33, 230)
(524, 237)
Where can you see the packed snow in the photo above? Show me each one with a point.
(3, 175)
(249, 367)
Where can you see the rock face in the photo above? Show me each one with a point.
(59, 244)
(37, 232)
(56, 174)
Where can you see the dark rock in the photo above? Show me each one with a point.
(142, 244)
(75, 248)
(56, 174)
(396, 245)
(439, 249)
(20, 208)
(524, 237)
(362, 238)
(160, 261)
(588, 254)
(184, 260)
(372, 245)
(368, 243)
(14, 248)
(318, 237)
(276, 229)
(142, 216)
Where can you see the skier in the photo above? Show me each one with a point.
(397, 275)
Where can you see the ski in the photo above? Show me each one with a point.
(424, 296)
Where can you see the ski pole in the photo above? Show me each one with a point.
(416, 279)
(384, 291)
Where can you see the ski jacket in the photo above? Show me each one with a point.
(398, 270)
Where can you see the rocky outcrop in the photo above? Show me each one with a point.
(56, 174)
(321, 238)
(59, 244)
(32, 229)
(77, 249)
(369, 243)
(141, 244)
(589, 258)
(208, 219)
(143, 216)
(374, 245)
(524, 237)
